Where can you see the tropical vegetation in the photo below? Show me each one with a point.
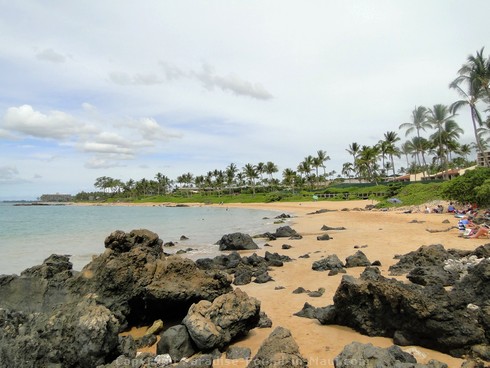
(432, 145)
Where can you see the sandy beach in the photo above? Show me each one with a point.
(381, 234)
(385, 234)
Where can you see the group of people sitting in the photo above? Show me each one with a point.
(470, 230)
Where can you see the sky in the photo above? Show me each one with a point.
(130, 89)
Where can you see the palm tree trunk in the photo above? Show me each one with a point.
(478, 143)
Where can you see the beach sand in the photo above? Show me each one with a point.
(383, 235)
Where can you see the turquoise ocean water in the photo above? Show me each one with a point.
(29, 234)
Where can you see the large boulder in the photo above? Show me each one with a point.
(82, 334)
(176, 342)
(411, 314)
(366, 355)
(285, 232)
(358, 259)
(51, 315)
(426, 256)
(278, 350)
(135, 279)
(40, 288)
(236, 241)
(329, 263)
(215, 324)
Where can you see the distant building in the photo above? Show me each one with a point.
(479, 158)
(56, 198)
(450, 174)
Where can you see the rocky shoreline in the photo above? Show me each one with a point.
(203, 313)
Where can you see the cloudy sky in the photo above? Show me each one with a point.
(128, 89)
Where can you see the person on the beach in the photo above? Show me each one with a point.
(451, 208)
(482, 231)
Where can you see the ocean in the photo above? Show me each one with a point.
(30, 234)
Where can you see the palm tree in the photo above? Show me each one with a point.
(464, 150)
(438, 117)
(270, 169)
(419, 122)
(347, 169)
(260, 167)
(289, 178)
(304, 166)
(366, 161)
(391, 150)
(474, 75)
(230, 173)
(322, 157)
(407, 149)
(354, 149)
(250, 172)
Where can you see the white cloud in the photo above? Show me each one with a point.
(126, 79)
(9, 175)
(148, 128)
(56, 124)
(231, 83)
(51, 56)
(210, 80)
(98, 162)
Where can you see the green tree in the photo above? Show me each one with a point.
(250, 172)
(464, 188)
(419, 122)
(440, 116)
(472, 86)
(354, 149)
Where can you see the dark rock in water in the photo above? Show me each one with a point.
(278, 350)
(283, 216)
(379, 357)
(183, 237)
(238, 352)
(285, 232)
(264, 321)
(359, 259)
(327, 228)
(216, 324)
(119, 241)
(169, 244)
(176, 342)
(286, 246)
(331, 262)
(237, 241)
(323, 237)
